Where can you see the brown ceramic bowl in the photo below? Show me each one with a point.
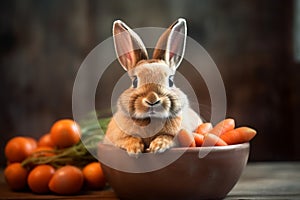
(185, 176)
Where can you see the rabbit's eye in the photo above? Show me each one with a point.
(171, 81)
(135, 82)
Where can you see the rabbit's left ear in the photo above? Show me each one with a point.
(171, 45)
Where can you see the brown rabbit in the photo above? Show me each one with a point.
(153, 110)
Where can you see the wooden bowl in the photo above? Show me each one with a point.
(178, 173)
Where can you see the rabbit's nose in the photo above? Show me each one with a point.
(152, 99)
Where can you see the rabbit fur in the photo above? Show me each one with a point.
(153, 110)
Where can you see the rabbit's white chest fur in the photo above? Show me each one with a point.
(190, 120)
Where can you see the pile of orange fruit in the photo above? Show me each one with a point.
(33, 163)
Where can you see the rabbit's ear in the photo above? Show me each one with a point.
(171, 45)
(128, 45)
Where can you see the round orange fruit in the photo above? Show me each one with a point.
(65, 133)
(16, 176)
(93, 175)
(66, 180)
(39, 177)
(19, 148)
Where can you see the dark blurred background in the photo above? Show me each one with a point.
(254, 43)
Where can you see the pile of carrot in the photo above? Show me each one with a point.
(222, 134)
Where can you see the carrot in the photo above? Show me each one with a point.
(198, 139)
(213, 140)
(204, 128)
(238, 135)
(223, 126)
(185, 139)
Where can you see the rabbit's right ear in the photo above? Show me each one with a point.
(128, 45)
(171, 45)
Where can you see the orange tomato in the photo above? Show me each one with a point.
(65, 133)
(19, 148)
(66, 180)
(46, 140)
(16, 176)
(43, 151)
(38, 178)
(32, 141)
(93, 175)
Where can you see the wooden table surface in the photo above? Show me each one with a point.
(266, 180)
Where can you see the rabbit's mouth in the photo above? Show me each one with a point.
(152, 113)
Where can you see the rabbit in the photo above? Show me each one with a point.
(153, 110)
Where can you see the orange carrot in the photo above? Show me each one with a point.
(238, 135)
(213, 140)
(204, 128)
(185, 139)
(223, 126)
(198, 139)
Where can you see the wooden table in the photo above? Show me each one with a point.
(269, 180)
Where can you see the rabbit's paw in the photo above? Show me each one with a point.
(134, 146)
(161, 143)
